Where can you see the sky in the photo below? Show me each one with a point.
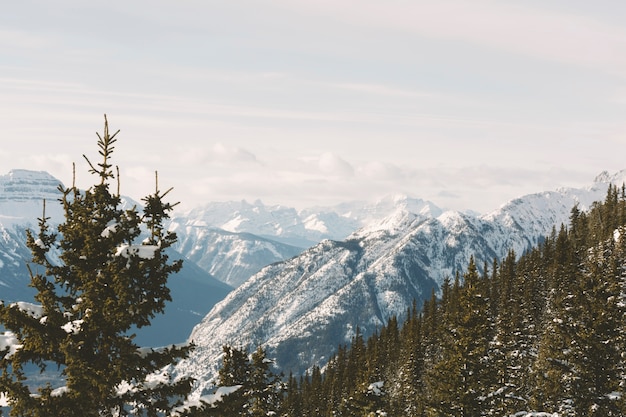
(314, 102)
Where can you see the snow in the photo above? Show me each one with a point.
(10, 341)
(57, 392)
(142, 251)
(376, 388)
(151, 381)
(210, 399)
(33, 310)
(219, 394)
(110, 229)
(74, 326)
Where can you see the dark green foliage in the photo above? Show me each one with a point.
(461, 379)
(94, 283)
(252, 388)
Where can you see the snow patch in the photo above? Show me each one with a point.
(57, 392)
(109, 230)
(74, 326)
(33, 310)
(142, 251)
(376, 388)
(9, 341)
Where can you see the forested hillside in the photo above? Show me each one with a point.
(537, 334)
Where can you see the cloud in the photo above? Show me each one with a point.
(230, 154)
(331, 164)
(217, 154)
(377, 170)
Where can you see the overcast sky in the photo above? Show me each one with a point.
(312, 102)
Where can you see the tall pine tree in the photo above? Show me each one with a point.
(460, 381)
(95, 282)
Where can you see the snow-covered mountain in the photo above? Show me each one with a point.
(300, 228)
(302, 308)
(22, 193)
(234, 240)
(230, 257)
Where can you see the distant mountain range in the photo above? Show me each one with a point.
(234, 240)
(303, 280)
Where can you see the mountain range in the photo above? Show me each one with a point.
(301, 309)
(300, 282)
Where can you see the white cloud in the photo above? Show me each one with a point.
(332, 164)
(232, 154)
(20, 39)
(381, 171)
(385, 90)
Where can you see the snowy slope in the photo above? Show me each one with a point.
(234, 240)
(302, 308)
(230, 257)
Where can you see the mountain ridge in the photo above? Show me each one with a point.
(301, 309)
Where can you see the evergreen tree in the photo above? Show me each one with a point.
(94, 284)
(265, 389)
(234, 375)
(595, 349)
(553, 370)
(409, 378)
(459, 382)
(249, 386)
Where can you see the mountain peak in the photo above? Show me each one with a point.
(617, 178)
(26, 185)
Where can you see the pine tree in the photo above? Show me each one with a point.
(597, 329)
(459, 382)
(247, 386)
(95, 284)
(234, 375)
(265, 388)
(410, 369)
